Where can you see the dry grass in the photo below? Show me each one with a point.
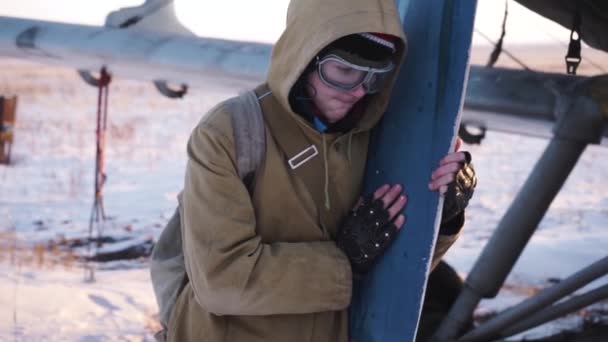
(48, 255)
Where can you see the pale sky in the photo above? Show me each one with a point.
(263, 20)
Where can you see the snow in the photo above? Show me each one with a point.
(57, 305)
(47, 194)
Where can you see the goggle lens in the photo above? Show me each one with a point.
(342, 75)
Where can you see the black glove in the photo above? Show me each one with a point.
(365, 234)
(459, 191)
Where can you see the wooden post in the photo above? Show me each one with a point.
(8, 113)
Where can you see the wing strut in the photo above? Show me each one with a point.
(580, 121)
(98, 214)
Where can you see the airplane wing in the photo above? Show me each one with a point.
(507, 100)
(138, 54)
(534, 103)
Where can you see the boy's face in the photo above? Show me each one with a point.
(334, 104)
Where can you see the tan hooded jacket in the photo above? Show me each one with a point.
(264, 267)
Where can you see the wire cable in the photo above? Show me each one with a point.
(506, 52)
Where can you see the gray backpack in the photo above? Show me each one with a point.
(167, 268)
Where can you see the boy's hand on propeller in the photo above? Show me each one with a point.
(371, 226)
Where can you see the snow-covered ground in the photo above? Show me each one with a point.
(46, 198)
(54, 304)
(47, 193)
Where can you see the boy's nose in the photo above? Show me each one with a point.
(359, 91)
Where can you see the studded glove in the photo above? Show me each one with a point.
(459, 191)
(365, 234)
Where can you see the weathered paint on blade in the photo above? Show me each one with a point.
(419, 128)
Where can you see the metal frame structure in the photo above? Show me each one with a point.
(579, 114)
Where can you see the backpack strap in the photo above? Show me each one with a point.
(249, 134)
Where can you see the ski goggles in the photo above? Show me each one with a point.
(340, 74)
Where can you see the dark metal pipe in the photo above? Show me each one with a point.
(494, 326)
(558, 310)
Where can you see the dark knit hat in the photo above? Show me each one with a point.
(365, 49)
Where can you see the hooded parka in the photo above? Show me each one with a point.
(263, 266)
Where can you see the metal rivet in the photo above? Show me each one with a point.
(371, 212)
(377, 245)
(365, 256)
(386, 234)
(377, 224)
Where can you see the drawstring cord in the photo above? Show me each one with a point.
(327, 201)
(326, 166)
(350, 145)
